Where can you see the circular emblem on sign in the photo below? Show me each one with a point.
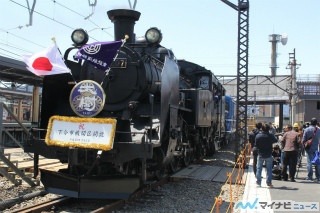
(87, 98)
(92, 49)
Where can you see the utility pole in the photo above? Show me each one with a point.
(293, 66)
(242, 74)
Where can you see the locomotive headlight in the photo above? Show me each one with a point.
(79, 37)
(153, 36)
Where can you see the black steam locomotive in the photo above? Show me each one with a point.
(156, 114)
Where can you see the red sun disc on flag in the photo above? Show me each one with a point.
(42, 63)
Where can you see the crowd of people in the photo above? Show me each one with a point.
(285, 152)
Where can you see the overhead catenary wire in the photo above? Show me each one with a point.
(43, 15)
(11, 46)
(61, 23)
(52, 19)
(7, 52)
(22, 38)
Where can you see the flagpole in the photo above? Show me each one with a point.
(55, 43)
(115, 57)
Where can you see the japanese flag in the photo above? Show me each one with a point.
(47, 62)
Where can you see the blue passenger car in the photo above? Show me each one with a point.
(229, 116)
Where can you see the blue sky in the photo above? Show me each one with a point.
(201, 31)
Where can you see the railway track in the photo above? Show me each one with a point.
(67, 204)
(151, 192)
(43, 206)
(25, 163)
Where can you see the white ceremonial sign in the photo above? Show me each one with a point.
(94, 133)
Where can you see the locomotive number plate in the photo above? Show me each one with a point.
(119, 63)
(91, 133)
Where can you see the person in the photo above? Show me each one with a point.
(284, 130)
(296, 127)
(300, 148)
(276, 154)
(276, 169)
(28, 115)
(290, 144)
(299, 131)
(307, 134)
(264, 143)
(272, 128)
(252, 138)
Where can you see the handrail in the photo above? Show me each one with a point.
(15, 118)
(25, 130)
(16, 170)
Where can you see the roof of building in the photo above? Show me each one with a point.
(15, 71)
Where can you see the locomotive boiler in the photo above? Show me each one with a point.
(155, 114)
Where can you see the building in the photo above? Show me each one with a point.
(308, 101)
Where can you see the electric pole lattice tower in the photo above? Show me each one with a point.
(242, 73)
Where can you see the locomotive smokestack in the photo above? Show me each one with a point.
(124, 21)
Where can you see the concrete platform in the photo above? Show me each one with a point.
(207, 172)
(285, 196)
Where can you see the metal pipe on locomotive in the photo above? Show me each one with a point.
(167, 113)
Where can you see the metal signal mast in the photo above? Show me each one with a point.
(242, 74)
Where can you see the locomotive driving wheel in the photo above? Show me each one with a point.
(156, 167)
(212, 149)
(187, 155)
(174, 165)
(187, 151)
(200, 150)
